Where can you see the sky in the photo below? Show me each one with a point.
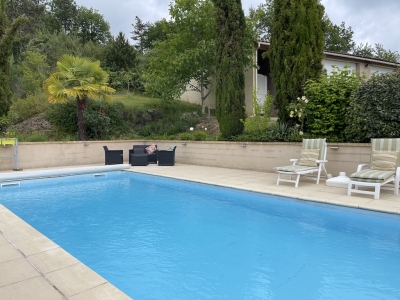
(373, 22)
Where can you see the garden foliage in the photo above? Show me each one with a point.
(256, 125)
(102, 119)
(230, 66)
(23, 109)
(329, 97)
(374, 109)
(296, 52)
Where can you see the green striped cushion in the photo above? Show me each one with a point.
(308, 157)
(293, 169)
(384, 160)
(371, 175)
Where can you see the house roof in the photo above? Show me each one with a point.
(264, 45)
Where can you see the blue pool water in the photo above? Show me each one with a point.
(158, 238)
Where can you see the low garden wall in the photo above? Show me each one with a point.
(235, 155)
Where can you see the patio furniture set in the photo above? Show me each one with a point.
(142, 155)
(382, 172)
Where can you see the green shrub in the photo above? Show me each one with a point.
(63, 116)
(32, 105)
(97, 123)
(185, 136)
(102, 119)
(199, 136)
(374, 109)
(33, 137)
(4, 123)
(258, 122)
(329, 98)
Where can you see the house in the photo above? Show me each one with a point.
(261, 79)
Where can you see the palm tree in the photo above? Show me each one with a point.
(78, 78)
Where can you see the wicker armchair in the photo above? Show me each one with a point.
(113, 157)
(166, 157)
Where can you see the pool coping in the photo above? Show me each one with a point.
(34, 267)
(46, 271)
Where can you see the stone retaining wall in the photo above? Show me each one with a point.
(235, 155)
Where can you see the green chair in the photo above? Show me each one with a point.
(312, 160)
(383, 169)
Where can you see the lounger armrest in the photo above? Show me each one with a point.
(360, 167)
(294, 160)
(318, 161)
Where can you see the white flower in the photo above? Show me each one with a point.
(306, 101)
(299, 114)
(303, 98)
(205, 128)
(297, 125)
(298, 98)
(301, 132)
(191, 128)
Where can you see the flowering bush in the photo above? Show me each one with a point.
(299, 110)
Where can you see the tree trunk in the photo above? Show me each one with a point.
(80, 106)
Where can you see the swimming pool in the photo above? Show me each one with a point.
(158, 238)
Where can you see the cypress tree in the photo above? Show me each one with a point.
(296, 52)
(7, 35)
(230, 66)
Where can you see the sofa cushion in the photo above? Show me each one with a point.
(384, 160)
(309, 157)
(369, 175)
(151, 149)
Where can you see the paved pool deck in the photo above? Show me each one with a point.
(34, 267)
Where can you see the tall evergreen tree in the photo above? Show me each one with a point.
(119, 55)
(230, 66)
(7, 35)
(297, 44)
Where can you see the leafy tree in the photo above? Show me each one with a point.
(261, 18)
(34, 70)
(389, 55)
(186, 58)
(7, 35)
(147, 34)
(121, 59)
(91, 26)
(364, 50)
(230, 66)
(80, 79)
(296, 52)
(63, 13)
(338, 38)
(376, 52)
(35, 11)
(54, 45)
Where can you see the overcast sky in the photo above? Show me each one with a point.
(373, 21)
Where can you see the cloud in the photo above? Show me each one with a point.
(375, 22)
